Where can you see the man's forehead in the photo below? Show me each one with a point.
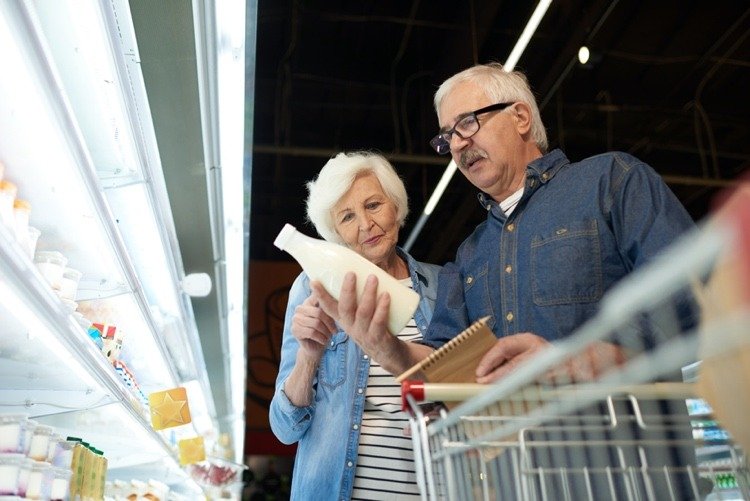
(461, 101)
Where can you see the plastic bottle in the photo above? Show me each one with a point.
(327, 263)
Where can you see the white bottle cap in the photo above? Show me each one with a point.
(197, 284)
(284, 235)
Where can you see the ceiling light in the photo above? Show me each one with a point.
(513, 58)
(583, 55)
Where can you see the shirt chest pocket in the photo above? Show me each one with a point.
(333, 363)
(476, 293)
(566, 264)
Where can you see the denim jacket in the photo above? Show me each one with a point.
(577, 230)
(327, 431)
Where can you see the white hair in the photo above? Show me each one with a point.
(336, 178)
(500, 86)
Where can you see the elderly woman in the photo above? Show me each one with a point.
(341, 406)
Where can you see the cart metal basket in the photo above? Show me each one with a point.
(668, 422)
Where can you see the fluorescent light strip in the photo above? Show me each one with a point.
(515, 55)
(526, 35)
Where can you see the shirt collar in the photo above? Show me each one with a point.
(543, 168)
(410, 263)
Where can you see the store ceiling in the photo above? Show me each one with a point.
(670, 86)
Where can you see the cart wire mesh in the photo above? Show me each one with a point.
(646, 401)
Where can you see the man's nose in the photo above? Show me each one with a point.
(457, 143)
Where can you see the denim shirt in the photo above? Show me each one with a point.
(577, 230)
(327, 431)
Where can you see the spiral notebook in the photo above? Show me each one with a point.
(457, 360)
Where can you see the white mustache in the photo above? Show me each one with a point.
(469, 156)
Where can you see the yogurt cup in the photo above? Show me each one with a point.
(69, 284)
(8, 192)
(31, 241)
(39, 448)
(10, 468)
(11, 432)
(51, 265)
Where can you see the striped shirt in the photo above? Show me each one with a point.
(385, 464)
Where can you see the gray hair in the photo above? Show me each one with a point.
(336, 178)
(500, 86)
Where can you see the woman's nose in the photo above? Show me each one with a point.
(365, 223)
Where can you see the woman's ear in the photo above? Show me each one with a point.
(523, 117)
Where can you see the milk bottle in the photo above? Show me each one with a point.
(327, 263)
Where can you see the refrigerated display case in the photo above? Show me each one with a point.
(77, 141)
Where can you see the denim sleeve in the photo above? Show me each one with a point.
(646, 216)
(289, 422)
(646, 219)
(450, 316)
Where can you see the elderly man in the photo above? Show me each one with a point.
(558, 234)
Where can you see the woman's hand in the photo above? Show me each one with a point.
(313, 328)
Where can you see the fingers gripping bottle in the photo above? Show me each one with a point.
(327, 263)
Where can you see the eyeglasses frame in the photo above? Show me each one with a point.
(435, 142)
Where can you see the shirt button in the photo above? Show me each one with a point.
(511, 227)
(545, 176)
(359, 390)
(508, 269)
(469, 280)
(331, 343)
(509, 316)
(366, 357)
(355, 427)
(349, 464)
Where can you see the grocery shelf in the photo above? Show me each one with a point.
(116, 230)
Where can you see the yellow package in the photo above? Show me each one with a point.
(191, 450)
(169, 408)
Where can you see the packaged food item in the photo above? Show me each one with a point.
(156, 490)
(40, 481)
(100, 476)
(8, 192)
(23, 476)
(70, 305)
(61, 483)
(51, 265)
(88, 460)
(76, 466)
(54, 439)
(10, 468)
(63, 455)
(111, 340)
(11, 432)
(31, 241)
(39, 447)
(69, 283)
(28, 431)
(21, 214)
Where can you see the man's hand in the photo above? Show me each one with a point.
(511, 351)
(507, 354)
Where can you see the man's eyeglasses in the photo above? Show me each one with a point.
(467, 126)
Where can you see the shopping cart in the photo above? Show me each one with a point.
(651, 427)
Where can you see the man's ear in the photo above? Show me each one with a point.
(523, 117)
